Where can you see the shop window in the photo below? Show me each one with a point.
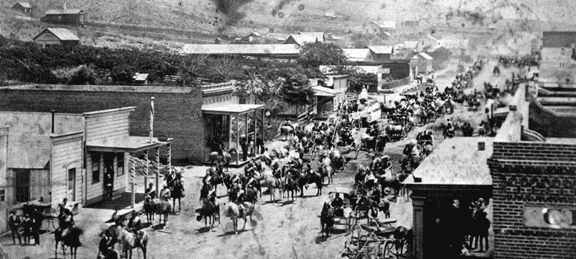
(95, 168)
(120, 163)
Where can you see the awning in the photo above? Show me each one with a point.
(230, 108)
(125, 144)
(324, 91)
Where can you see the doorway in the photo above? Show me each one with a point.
(108, 176)
(21, 185)
(72, 184)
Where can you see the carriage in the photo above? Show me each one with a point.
(346, 217)
(377, 240)
(396, 131)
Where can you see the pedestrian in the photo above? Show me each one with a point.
(14, 222)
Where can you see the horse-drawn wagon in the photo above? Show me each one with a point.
(343, 215)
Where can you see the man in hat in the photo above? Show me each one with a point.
(14, 222)
(150, 191)
(135, 223)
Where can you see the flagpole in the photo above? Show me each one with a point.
(151, 133)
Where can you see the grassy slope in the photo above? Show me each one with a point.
(199, 15)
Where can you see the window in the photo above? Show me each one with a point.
(95, 168)
(120, 163)
(2, 194)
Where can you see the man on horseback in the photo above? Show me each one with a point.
(337, 204)
(135, 223)
(65, 217)
(150, 191)
(165, 193)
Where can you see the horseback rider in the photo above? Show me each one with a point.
(239, 201)
(135, 222)
(65, 217)
(337, 203)
(150, 191)
(105, 245)
(165, 193)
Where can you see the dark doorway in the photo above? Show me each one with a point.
(22, 185)
(108, 176)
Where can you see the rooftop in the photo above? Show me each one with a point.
(424, 55)
(386, 24)
(356, 54)
(63, 11)
(558, 39)
(456, 161)
(60, 33)
(242, 49)
(100, 88)
(382, 49)
(25, 4)
(411, 44)
(229, 108)
(124, 144)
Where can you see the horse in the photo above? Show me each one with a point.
(310, 178)
(177, 193)
(273, 183)
(159, 207)
(210, 211)
(71, 239)
(131, 240)
(326, 170)
(232, 211)
(291, 186)
(326, 219)
(223, 157)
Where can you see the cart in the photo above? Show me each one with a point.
(376, 241)
(345, 217)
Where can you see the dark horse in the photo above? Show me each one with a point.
(71, 239)
(210, 211)
(177, 193)
(306, 179)
(326, 219)
(291, 186)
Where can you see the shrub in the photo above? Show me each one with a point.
(83, 75)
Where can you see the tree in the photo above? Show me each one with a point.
(316, 54)
(84, 75)
(123, 74)
(357, 77)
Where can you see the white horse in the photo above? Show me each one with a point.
(232, 211)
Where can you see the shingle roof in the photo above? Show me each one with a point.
(356, 54)
(558, 39)
(386, 24)
(306, 37)
(24, 4)
(140, 76)
(457, 161)
(61, 34)
(241, 49)
(67, 11)
(382, 49)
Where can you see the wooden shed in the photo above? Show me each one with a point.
(65, 16)
(24, 7)
(57, 36)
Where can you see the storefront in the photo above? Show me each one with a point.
(445, 189)
(236, 128)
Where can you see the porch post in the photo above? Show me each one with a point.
(229, 131)
(263, 132)
(146, 164)
(133, 179)
(238, 140)
(246, 134)
(254, 150)
(157, 169)
(169, 155)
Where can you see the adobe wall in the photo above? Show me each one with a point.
(178, 110)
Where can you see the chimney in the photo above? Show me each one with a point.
(64, 7)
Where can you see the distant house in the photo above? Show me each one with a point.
(379, 53)
(330, 13)
(254, 37)
(439, 55)
(24, 7)
(428, 41)
(379, 28)
(423, 62)
(57, 36)
(305, 37)
(412, 45)
(141, 78)
(411, 23)
(357, 54)
(558, 57)
(65, 16)
(456, 46)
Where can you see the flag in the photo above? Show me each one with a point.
(151, 118)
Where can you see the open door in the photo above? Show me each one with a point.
(108, 176)
(72, 184)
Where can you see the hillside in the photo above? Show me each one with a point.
(203, 20)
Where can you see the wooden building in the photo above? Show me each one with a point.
(379, 53)
(423, 62)
(24, 7)
(57, 36)
(65, 16)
